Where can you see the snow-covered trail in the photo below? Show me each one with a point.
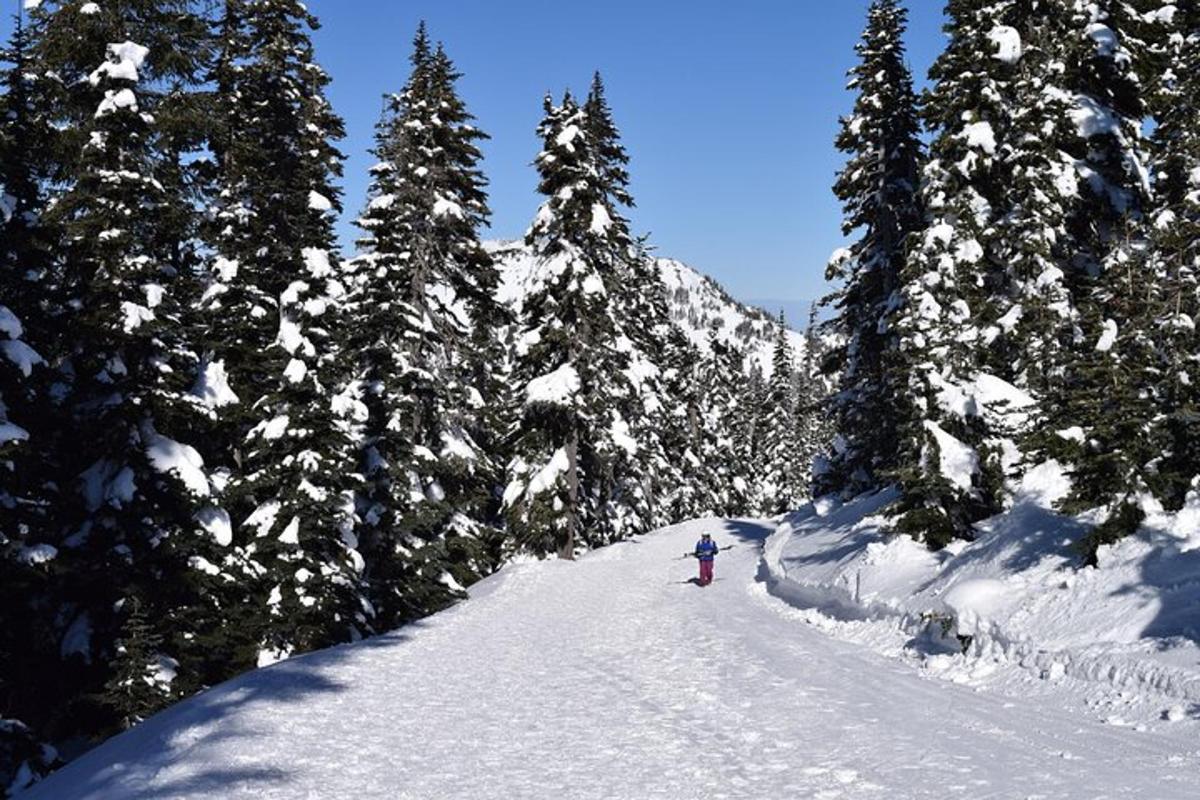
(615, 678)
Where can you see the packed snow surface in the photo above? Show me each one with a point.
(618, 677)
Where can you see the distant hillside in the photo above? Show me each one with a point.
(698, 305)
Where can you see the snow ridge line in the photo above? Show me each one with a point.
(920, 639)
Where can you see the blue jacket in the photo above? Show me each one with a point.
(706, 551)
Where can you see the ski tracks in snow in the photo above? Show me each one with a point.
(612, 678)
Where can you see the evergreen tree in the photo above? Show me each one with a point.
(984, 286)
(285, 406)
(638, 300)
(570, 371)
(1115, 367)
(1174, 262)
(26, 493)
(879, 189)
(424, 333)
(783, 476)
(725, 447)
(138, 686)
(137, 493)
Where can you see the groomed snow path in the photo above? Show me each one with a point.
(614, 677)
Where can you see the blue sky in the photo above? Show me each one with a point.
(728, 110)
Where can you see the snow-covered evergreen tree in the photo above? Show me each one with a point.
(141, 676)
(879, 190)
(1174, 259)
(724, 415)
(285, 404)
(138, 491)
(1108, 390)
(985, 287)
(424, 319)
(570, 366)
(782, 472)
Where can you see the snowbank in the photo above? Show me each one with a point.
(1012, 606)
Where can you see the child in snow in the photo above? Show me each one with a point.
(706, 553)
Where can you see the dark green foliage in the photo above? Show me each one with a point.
(424, 321)
(136, 689)
(879, 192)
(1124, 521)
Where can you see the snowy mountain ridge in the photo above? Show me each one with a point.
(699, 306)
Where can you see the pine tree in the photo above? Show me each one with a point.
(25, 494)
(285, 407)
(724, 412)
(133, 520)
(688, 478)
(1174, 261)
(1114, 284)
(639, 305)
(570, 372)
(984, 287)
(879, 190)
(424, 320)
(140, 682)
(782, 473)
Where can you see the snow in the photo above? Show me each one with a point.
(12, 433)
(21, 355)
(1108, 338)
(614, 677)
(442, 207)
(115, 101)
(980, 135)
(86, 8)
(291, 534)
(548, 476)
(1104, 37)
(212, 386)
(173, 458)
(216, 522)
(226, 269)
(601, 219)
(107, 483)
(37, 554)
(457, 445)
(1009, 47)
(557, 388)
(290, 338)
(316, 261)
(10, 326)
(959, 462)
(698, 305)
(1120, 638)
(319, 202)
(135, 316)
(295, 371)
(127, 59)
(1072, 434)
(621, 436)
(263, 518)
(567, 136)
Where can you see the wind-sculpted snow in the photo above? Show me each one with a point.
(618, 677)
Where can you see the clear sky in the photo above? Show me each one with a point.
(728, 110)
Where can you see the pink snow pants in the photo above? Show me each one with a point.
(706, 572)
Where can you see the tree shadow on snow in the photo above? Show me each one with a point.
(190, 732)
(1172, 577)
